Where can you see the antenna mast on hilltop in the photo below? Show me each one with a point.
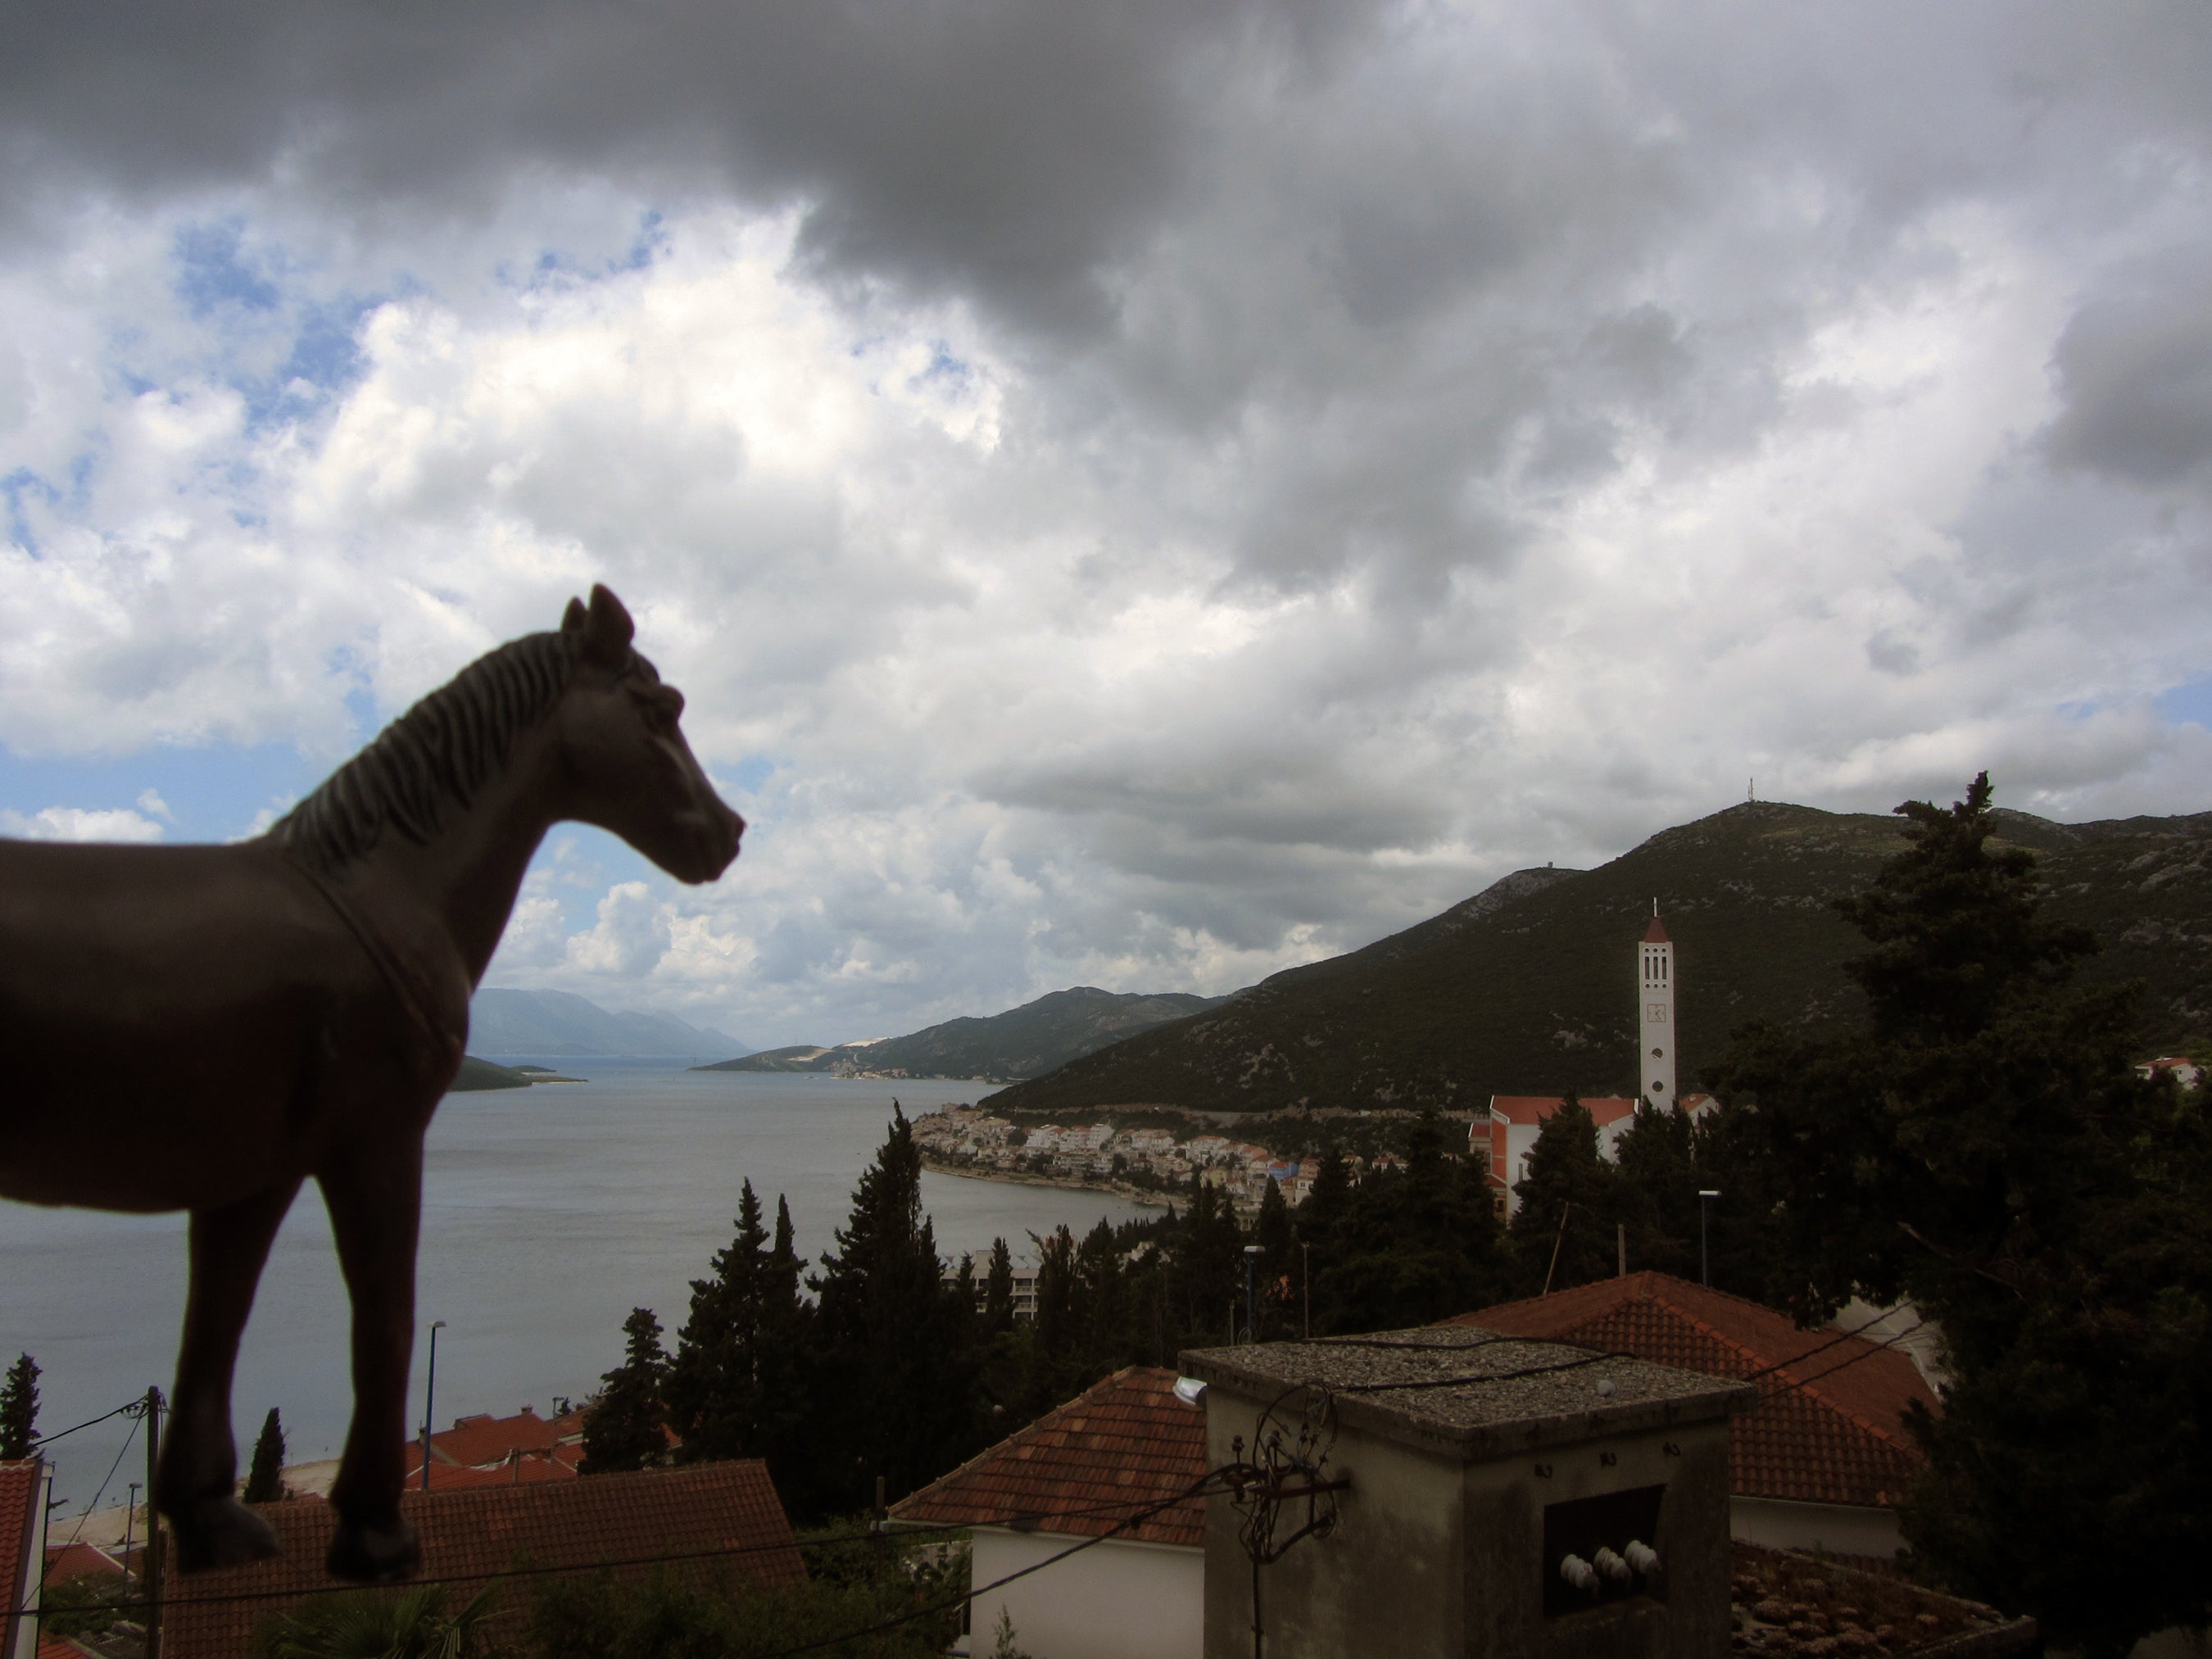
(1750, 789)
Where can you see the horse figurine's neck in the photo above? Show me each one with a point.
(470, 873)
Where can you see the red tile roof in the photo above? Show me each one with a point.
(74, 1560)
(1830, 1423)
(474, 1535)
(1534, 1109)
(1657, 932)
(21, 1487)
(483, 1438)
(1084, 1467)
(526, 1469)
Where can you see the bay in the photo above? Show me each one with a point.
(549, 1213)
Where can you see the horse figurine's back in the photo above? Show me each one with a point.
(204, 1028)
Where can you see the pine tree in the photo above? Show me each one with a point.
(895, 1391)
(1207, 1276)
(264, 1479)
(1569, 1203)
(1982, 1145)
(19, 1409)
(623, 1426)
(714, 1380)
(999, 1291)
(1276, 1271)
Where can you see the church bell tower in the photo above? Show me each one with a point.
(1655, 1013)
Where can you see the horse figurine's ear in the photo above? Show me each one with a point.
(604, 631)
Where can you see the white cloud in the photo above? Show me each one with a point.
(1372, 458)
(79, 824)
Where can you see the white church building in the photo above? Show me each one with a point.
(1507, 1135)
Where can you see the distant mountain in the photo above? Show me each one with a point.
(1529, 988)
(1023, 1041)
(555, 1023)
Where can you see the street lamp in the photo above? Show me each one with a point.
(1251, 1323)
(430, 1395)
(1705, 1250)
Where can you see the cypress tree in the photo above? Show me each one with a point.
(622, 1427)
(714, 1380)
(895, 1386)
(1276, 1273)
(1568, 1183)
(999, 1291)
(19, 1409)
(264, 1479)
(1982, 1145)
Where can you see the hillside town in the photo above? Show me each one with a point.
(967, 1139)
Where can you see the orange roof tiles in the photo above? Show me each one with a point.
(525, 1468)
(1084, 1468)
(1534, 1109)
(484, 1438)
(1829, 1426)
(75, 1558)
(474, 1535)
(21, 1486)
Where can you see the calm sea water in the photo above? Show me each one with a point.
(549, 1213)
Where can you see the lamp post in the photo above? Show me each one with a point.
(1251, 1320)
(1705, 1249)
(430, 1396)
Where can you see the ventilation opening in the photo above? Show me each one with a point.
(1604, 1535)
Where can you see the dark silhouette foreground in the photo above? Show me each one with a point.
(204, 1028)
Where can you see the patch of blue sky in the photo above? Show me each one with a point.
(13, 489)
(650, 242)
(2189, 703)
(579, 863)
(284, 349)
(946, 367)
(214, 792)
(749, 773)
(213, 271)
(557, 267)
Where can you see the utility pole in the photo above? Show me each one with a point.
(1558, 1239)
(430, 1398)
(1704, 1248)
(1251, 1312)
(1620, 1244)
(152, 1578)
(1305, 1284)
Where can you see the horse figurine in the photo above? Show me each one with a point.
(204, 1028)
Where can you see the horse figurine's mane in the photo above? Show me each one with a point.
(429, 763)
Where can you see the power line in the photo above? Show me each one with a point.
(1095, 1510)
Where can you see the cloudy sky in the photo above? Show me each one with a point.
(1138, 494)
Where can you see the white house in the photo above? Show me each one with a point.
(1079, 1472)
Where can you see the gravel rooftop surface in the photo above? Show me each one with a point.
(1788, 1605)
(1460, 1378)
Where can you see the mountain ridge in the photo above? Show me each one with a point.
(1022, 1041)
(1534, 992)
(507, 1021)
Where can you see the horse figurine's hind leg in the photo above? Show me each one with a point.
(199, 1462)
(203, 1028)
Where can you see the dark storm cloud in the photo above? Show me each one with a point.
(2135, 367)
(1009, 147)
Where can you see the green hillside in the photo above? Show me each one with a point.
(1529, 988)
(1024, 1041)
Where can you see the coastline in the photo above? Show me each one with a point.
(1135, 1194)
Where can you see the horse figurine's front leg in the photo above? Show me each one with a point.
(374, 1195)
(199, 1462)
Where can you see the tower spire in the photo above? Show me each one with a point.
(1655, 1012)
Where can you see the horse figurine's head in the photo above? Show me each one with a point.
(629, 769)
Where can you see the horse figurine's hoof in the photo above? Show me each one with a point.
(373, 1554)
(220, 1532)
